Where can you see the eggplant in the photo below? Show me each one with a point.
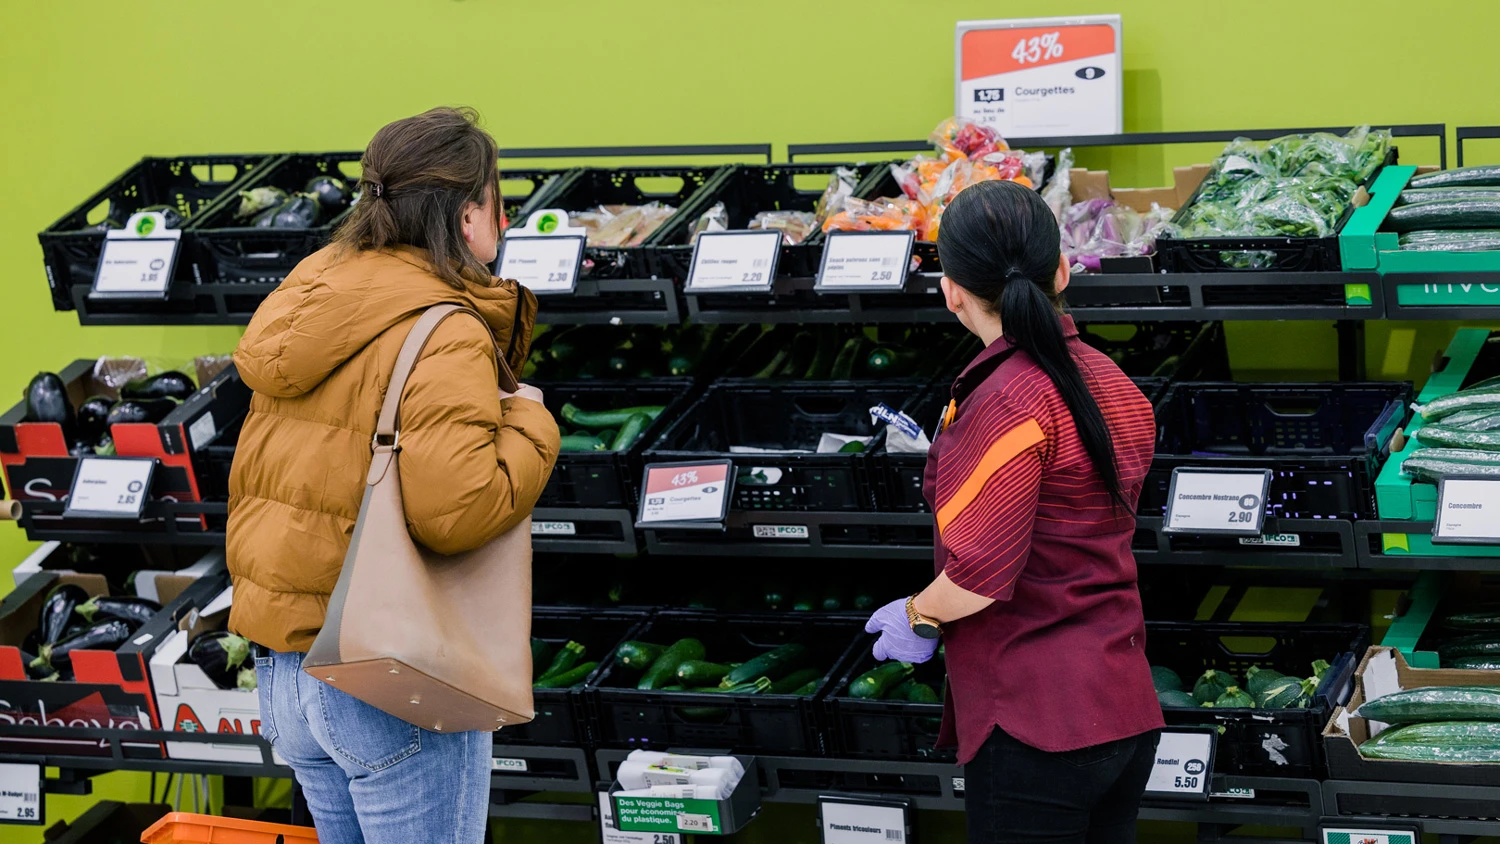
(266, 218)
(47, 401)
(257, 200)
(166, 385)
(105, 447)
(221, 655)
(35, 668)
(82, 448)
(57, 613)
(92, 416)
(299, 212)
(133, 610)
(171, 216)
(332, 194)
(106, 635)
(137, 411)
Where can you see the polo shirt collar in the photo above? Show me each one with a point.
(985, 363)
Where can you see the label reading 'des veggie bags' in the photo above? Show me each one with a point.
(691, 495)
(667, 814)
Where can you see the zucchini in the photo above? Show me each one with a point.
(1483, 644)
(1444, 741)
(1257, 679)
(638, 656)
(914, 692)
(807, 689)
(541, 653)
(1285, 693)
(1436, 703)
(1445, 214)
(1212, 685)
(1176, 699)
(601, 419)
(773, 664)
(832, 603)
(848, 356)
(796, 680)
(566, 658)
(572, 677)
(880, 680)
(759, 685)
(581, 443)
(1412, 196)
(1235, 698)
(889, 361)
(1165, 679)
(864, 601)
(696, 672)
(663, 672)
(776, 362)
(1483, 175)
(852, 447)
(804, 345)
(630, 432)
(1438, 435)
(822, 360)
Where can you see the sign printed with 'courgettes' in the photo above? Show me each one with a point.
(681, 492)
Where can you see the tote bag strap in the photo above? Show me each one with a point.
(387, 425)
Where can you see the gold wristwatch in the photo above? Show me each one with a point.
(921, 625)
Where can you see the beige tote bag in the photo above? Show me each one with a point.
(440, 642)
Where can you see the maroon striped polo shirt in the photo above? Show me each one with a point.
(1059, 660)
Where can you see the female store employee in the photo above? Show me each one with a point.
(1034, 480)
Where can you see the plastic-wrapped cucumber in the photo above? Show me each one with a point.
(1480, 644)
(1433, 464)
(1483, 175)
(1435, 703)
(1485, 617)
(1473, 398)
(1474, 420)
(1475, 663)
(1445, 214)
(1474, 240)
(1438, 435)
(1445, 741)
(1412, 196)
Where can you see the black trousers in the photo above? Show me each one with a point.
(1016, 793)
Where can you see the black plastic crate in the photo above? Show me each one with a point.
(1255, 254)
(1261, 742)
(108, 822)
(1324, 443)
(887, 729)
(630, 718)
(227, 250)
(561, 714)
(791, 416)
(609, 479)
(71, 246)
(615, 353)
(943, 350)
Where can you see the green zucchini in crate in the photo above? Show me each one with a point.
(1211, 686)
(772, 665)
(880, 680)
(1165, 679)
(664, 670)
(595, 473)
(1436, 703)
(1467, 742)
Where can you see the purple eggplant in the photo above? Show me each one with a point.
(140, 411)
(57, 613)
(106, 635)
(332, 194)
(166, 385)
(220, 654)
(36, 669)
(47, 401)
(134, 610)
(92, 416)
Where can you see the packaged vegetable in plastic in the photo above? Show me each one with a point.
(631, 225)
(115, 373)
(865, 215)
(1058, 194)
(957, 138)
(839, 189)
(715, 219)
(794, 226)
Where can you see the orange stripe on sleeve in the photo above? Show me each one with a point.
(1005, 449)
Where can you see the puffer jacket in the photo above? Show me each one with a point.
(319, 354)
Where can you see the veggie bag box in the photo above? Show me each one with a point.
(111, 690)
(188, 700)
(38, 467)
(1385, 671)
(1084, 185)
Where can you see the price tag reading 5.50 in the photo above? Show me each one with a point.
(110, 487)
(1221, 501)
(686, 494)
(1184, 764)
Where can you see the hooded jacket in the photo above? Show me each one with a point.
(319, 354)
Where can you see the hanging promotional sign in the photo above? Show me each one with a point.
(1041, 77)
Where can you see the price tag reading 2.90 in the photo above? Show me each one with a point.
(1221, 501)
(686, 494)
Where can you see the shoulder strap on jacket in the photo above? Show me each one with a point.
(387, 424)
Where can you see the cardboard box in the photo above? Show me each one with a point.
(1384, 671)
(176, 564)
(1094, 184)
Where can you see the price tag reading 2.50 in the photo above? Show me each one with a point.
(738, 260)
(1218, 501)
(855, 261)
(686, 494)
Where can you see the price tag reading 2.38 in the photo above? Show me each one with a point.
(1219, 501)
(542, 264)
(686, 495)
(855, 261)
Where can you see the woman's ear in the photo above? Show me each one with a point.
(468, 220)
(953, 295)
(1064, 273)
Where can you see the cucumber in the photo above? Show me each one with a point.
(1444, 741)
(1483, 644)
(1470, 399)
(1480, 663)
(773, 664)
(1483, 175)
(1438, 435)
(1176, 699)
(776, 362)
(601, 419)
(832, 603)
(805, 690)
(892, 362)
(1473, 420)
(1435, 703)
(1444, 214)
(1412, 196)
(775, 600)
(1257, 679)
(796, 680)
(1235, 698)
(572, 677)
(630, 432)
(581, 443)
(822, 359)
(1477, 619)
(541, 654)
(1433, 464)
(566, 658)
(1212, 685)
(848, 356)
(911, 690)
(804, 346)
(663, 672)
(1165, 679)
(696, 672)
(878, 681)
(1474, 240)
(638, 656)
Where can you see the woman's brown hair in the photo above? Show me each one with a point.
(418, 175)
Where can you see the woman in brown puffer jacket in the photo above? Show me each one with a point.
(319, 354)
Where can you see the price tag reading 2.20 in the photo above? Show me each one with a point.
(686, 495)
(738, 260)
(855, 261)
(1220, 501)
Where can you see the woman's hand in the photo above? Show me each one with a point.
(897, 641)
(524, 391)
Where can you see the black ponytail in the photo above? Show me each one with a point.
(999, 241)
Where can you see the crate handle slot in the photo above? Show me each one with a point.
(94, 216)
(352, 170)
(215, 174)
(811, 183)
(1259, 647)
(1281, 406)
(517, 188)
(660, 186)
(825, 406)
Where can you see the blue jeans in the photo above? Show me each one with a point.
(369, 777)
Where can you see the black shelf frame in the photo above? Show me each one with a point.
(1365, 537)
(218, 303)
(817, 543)
(1448, 827)
(1261, 556)
(1390, 282)
(1462, 134)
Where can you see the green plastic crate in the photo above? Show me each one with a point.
(1364, 247)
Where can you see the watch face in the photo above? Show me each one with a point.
(925, 630)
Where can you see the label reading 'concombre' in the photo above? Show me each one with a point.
(1468, 511)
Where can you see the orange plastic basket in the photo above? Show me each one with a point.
(183, 828)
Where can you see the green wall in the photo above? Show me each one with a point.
(91, 86)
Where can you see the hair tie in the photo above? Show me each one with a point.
(377, 188)
(1014, 272)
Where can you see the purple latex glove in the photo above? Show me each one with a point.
(897, 641)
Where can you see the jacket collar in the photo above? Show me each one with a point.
(986, 362)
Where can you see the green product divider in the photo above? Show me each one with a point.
(1406, 631)
(1364, 247)
(1357, 241)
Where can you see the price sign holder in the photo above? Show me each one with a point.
(1184, 764)
(865, 262)
(1339, 832)
(1468, 511)
(547, 265)
(851, 819)
(735, 261)
(1226, 502)
(21, 795)
(110, 487)
(692, 496)
(137, 261)
(608, 834)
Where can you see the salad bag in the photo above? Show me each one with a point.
(442, 642)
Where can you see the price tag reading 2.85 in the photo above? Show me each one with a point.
(110, 487)
(691, 495)
(1219, 501)
(737, 260)
(542, 264)
(855, 261)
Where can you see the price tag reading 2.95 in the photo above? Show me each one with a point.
(1220, 501)
(692, 495)
(543, 264)
(21, 794)
(737, 260)
(855, 261)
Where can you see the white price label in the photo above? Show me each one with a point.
(695, 823)
(21, 794)
(110, 487)
(1229, 501)
(780, 531)
(554, 529)
(1468, 511)
(512, 766)
(136, 268)
(737, 260)
(1274, 540)
(1184, 764)
(846, 822)
(679, 492)
(1369, 836)
(544, 264)
(609, 835)
(865, 261)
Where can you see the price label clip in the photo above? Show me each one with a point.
(137, 261)
(735, 260)
(110, 487)
(21, 795)
(1184, 763)
(1468, 511)
(686, 495)
(1230, 502)
(865, 261)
